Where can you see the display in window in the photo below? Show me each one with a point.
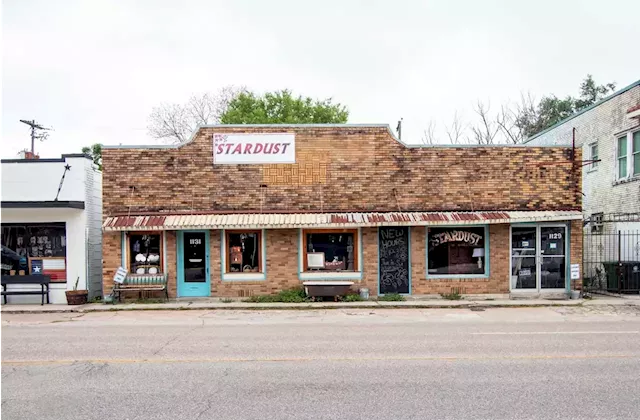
(145, 254)
(330, 251)
(35, 248)
(243, 252)
(456, 251)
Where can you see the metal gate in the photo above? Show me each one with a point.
(611, 262)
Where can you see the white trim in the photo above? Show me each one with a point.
(329, 275)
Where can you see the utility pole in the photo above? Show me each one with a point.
(35, 135)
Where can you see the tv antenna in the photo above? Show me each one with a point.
(37, 132)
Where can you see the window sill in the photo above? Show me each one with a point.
(592, 170)
(626, 180)
(244, 276)
(330, 275)
(456, 276)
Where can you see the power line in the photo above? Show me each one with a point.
(41, 134)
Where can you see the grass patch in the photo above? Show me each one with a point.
(453, 295)
(352, 297)
(147, 300)
(391, 297)
(287, 296)
(226, 300)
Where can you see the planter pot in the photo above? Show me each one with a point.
(77, 297)
(575, 294)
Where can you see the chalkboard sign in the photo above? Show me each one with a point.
(393, 257)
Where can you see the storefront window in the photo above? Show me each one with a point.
(243, 251)
(35, 248)
(330, 250)
(457, 251)
(145, 253)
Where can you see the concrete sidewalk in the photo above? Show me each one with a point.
(212, 304)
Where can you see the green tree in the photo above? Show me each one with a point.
(281, 107)
(95, 151)
(533, 118)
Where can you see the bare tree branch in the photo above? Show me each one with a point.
(456, 130)
(429, 136)
(486, 131)
(174, 123)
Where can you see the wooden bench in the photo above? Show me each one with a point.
(142, 283)
(42, 280)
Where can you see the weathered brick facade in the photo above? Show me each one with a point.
(341, 169)
(346, 169)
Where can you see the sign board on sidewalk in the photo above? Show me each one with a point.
(575, 271)
(256, 148)
(121, 274)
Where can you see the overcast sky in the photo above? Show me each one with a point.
(93, 70)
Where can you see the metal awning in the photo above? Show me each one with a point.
(328, 220)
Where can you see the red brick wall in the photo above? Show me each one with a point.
(282, 264)
(341, 169)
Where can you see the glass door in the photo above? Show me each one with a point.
(552, 257)
(524, 267)
(538, 258)
(193, 264)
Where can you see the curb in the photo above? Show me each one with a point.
(296, 306)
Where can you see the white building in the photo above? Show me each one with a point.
(51, 216)
(608, 132)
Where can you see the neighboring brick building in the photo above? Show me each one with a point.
(241, 210)
(608, 132)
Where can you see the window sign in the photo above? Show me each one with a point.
(456, 251)
(264, 148)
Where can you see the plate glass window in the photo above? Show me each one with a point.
(594, 156)
(456, 251)
(330, 250)
(35, 248)
(244, 251)
(145, 253)
(636, 153)
(622, 157)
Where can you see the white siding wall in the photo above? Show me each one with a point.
(602, 193)
(93, 209)
(39, 181)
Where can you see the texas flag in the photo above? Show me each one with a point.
(53, 267)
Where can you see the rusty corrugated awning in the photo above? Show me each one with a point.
(328, 220)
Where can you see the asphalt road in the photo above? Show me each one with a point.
(563, 363)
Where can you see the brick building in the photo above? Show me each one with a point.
(242, 210)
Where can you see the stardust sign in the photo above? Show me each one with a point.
(263, 148)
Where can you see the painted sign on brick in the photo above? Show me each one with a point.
(258, 148)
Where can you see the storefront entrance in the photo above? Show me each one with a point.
(539, 258)
(193, 264)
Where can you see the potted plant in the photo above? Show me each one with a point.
(75, 296)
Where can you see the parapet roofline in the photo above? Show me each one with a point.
(345, 126)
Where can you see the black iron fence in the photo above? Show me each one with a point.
(611, 262)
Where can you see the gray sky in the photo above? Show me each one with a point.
(94, 69)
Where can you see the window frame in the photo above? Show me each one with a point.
(127, 244)
(634, 154)
(227, 233)
(594, 165)
(620, 157)
(33, 225)
(487, 254)
(305, 274)
(228, 276)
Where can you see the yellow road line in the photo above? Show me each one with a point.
(309, 359)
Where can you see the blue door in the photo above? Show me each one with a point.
(193, 263)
